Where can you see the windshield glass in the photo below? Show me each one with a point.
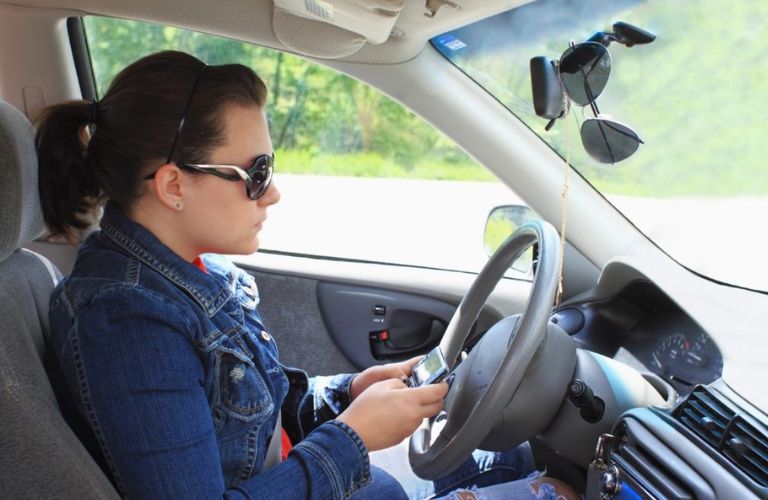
(696, 97)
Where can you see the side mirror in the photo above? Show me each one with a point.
(503, 221)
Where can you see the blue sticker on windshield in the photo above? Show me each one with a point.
(451, 42)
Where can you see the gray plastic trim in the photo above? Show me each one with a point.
(618, 385)
(348, 314)
(722, 482)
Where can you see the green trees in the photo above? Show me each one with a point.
(322, 122)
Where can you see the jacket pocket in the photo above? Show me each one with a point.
(243, 394)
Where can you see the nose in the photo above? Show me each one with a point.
(271, 197)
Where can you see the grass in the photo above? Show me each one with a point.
(370, 164)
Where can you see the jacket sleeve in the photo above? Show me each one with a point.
(129, 359)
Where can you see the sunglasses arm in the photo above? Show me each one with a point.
(593, 106)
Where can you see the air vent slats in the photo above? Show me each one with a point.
(706, 418)
(710, 405)
(658, 475)
(746, 432)
(719, 425)
(749, 448)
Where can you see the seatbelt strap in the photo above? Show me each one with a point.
(272, 457)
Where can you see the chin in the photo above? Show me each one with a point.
(235, 248)
(251, 247)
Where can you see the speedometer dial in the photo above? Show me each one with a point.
(705, 355)
(670, 352)
(686, 359)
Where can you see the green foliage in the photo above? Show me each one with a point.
(502, 222)
(496, 231)
(322, 122)
(374, 164)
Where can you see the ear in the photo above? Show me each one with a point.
(169, 187)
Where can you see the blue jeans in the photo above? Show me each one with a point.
(490, 475)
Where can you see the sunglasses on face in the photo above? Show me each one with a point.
(257, 177)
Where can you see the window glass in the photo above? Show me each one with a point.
(361, 177)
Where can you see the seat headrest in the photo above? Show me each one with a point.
(21, 218)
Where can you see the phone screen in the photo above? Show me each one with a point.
(429, 370)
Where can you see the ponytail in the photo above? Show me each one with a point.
(68, 189)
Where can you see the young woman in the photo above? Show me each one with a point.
(174, 381)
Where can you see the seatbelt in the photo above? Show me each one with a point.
(272, 457)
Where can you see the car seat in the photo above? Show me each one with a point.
(40, 456)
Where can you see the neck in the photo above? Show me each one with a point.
(166, 225)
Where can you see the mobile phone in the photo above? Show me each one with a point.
(430, 369)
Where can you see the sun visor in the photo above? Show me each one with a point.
(333, 29)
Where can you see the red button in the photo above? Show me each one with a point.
(384, 335)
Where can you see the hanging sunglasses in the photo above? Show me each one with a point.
(582, 73)
(257, 177)
(584, 70)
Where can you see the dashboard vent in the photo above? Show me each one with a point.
(655, 467)
(719, 425)
(706, 416)
(748, 448)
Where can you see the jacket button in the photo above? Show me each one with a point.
(265, 335)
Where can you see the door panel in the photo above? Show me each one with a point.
(290, 310)
(321, 311)
(371, 325)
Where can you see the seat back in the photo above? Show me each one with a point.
(40, 456)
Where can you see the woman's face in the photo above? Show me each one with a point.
(219, 216)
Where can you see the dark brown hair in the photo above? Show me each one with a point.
(132, 129)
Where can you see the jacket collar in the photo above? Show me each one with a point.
(208, 290)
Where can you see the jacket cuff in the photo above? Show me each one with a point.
(331, 395)
(342, 455)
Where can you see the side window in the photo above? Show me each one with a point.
(361, 177)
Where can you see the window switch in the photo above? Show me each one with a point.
(379, 310)
(379, 337)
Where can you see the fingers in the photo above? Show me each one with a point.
(428, 394)
(393, 383)
(407, 366)
(431, 410)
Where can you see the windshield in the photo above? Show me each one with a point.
(696, 97)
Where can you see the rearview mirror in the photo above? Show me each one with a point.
(503, 221)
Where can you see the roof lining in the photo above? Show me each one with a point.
(251, 21)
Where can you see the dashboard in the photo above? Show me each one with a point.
(642, 327)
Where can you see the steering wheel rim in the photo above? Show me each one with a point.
(431, 457)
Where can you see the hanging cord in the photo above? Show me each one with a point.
(566, 168)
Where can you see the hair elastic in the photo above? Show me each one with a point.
(94, 111)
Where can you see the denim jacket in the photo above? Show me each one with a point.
(179, 380)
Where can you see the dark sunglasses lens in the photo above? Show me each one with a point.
(607, 141)
(261, 175)
(584, 71)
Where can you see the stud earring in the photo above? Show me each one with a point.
(178, 205)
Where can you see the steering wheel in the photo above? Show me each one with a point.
(478, 393)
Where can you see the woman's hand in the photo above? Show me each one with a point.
(374, 374)
(389, 411)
